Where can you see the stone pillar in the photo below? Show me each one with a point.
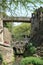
(1, 30)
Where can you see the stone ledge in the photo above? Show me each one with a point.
(5, 45)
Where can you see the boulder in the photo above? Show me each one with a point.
(7, 53)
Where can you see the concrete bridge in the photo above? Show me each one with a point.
(17, 19)
(10, 19)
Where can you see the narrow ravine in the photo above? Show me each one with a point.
(17, 60)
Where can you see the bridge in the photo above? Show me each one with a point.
(10, 19)
(17, 19)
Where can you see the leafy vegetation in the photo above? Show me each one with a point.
(5, 63)
(18, 32)
(21, 30)
(29, 50)
(8, 25)
(27, 4)
(31, 60)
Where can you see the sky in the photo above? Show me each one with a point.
(16, 23)
(21, 11)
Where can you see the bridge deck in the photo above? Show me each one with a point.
(17, 19)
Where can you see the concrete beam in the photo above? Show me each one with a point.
(17, 19)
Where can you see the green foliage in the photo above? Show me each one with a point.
(31, 60)
(5, 63)
(22, 29)
(7, 4)
(39, 10)
(8, 25)
(13, 59)
(30, 50)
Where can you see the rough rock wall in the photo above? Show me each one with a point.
(37, 25)
(5, 49)
(1, 31)
(37, 30)
(7, 54)
(7, 36)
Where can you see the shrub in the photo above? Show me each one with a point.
(30, 50)
(31, 60)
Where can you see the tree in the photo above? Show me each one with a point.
(22, 29)
(8, 25)
(12, 5)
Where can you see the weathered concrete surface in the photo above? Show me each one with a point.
(17, 19)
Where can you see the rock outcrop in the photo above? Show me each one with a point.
(7, 54)
(7, 36)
